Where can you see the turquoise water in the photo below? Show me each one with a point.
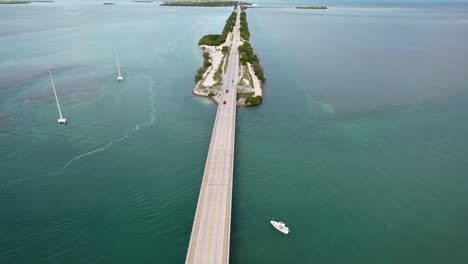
(360, 144)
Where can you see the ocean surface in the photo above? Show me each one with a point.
(360, 145)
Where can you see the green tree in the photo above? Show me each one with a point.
(255, 100)
(258, 71)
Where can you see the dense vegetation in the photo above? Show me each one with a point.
(202, 69)
(244, 27)
(250, 98)
(311, 7)
(246, 51)
(257, 68)
(247, 54)
(215, 39)
(254, 100)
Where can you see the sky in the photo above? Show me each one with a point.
(312, 2)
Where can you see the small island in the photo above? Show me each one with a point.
(22, 2)
(311, 7)
(216, 50)
(14, 2)
(204, 3)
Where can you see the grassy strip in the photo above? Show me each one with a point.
(218, 74)
(216, 39)
(245, 95)
(311, 7)
(227, 59)
(204, 67)
(247, 74)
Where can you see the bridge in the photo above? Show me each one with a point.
(209, 242)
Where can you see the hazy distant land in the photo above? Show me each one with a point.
(22, 2)
(204, 3)
(311, 7)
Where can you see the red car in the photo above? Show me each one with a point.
(224, 102)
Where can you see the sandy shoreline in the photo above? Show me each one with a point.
(257, 84)
(210, 85)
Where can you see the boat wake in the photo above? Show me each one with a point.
(152, 120)
(152, 117)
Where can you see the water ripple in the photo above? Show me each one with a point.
(135, 129)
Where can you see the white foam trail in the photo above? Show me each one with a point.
(152, 117)
(89, 153)
(137, 127)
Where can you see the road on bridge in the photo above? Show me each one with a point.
(209, 242)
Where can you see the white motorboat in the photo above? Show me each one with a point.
(280, 226)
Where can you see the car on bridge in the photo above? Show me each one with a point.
(224, 102)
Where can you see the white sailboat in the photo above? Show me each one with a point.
(119, 78)
(61, 120)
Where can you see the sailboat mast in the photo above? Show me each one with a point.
(118, 64)
(55, 93)
(155, 49)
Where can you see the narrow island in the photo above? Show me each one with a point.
(311, 7)
(250, 90)
(216, 50)
(204, 3)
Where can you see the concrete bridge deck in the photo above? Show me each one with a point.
(209, 242)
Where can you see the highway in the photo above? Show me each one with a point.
(209, 241)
